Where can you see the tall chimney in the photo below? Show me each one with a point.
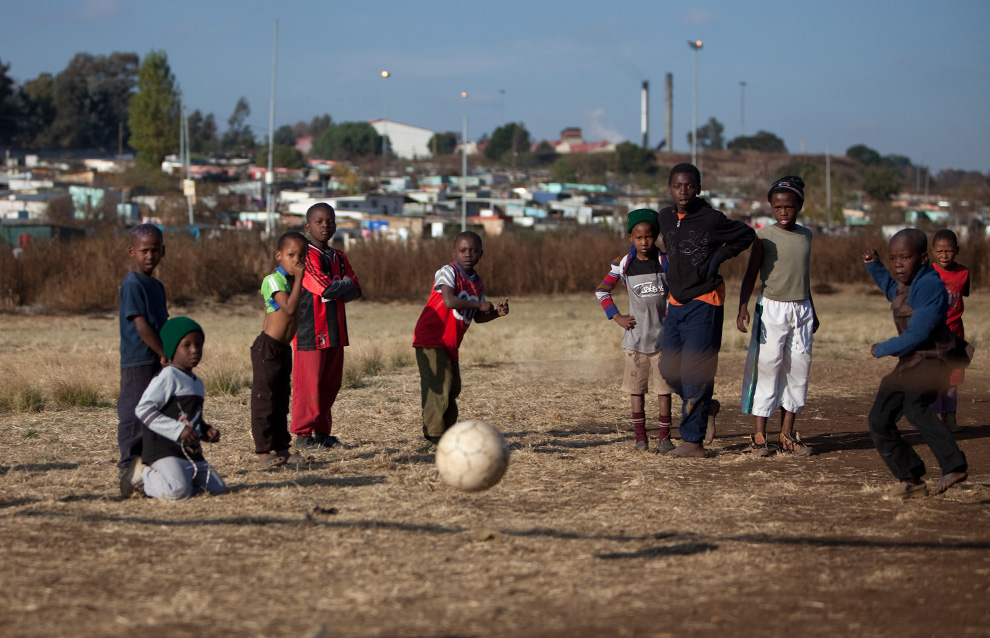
(644, 114)
(669, 110)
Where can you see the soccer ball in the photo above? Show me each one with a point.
(472, 456)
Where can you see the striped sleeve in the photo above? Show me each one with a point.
(149, 410)
(445, 277)
(314, 279)
(604, 290)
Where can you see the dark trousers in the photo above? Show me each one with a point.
(910, 393)
(439, 384)
(271, 361)
(692, 337)
(133, 382)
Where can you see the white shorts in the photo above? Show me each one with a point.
(779, 358)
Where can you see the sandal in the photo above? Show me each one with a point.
(270, 460)
(759, 449)
(794, 445)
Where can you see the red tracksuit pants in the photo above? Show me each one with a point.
(316, 376)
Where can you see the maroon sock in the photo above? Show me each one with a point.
(664, 422)
(639, 425)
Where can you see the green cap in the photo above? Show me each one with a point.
(641, 215)
(173, 331)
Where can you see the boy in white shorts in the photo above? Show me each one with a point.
(779, 358)
(642, 271)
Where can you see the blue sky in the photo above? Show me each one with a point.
(906, 77)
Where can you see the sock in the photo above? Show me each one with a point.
(639, 425)
(664, 422)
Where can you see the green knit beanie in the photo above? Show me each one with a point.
(641, 215)
(173, 331)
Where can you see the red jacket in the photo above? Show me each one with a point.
(322, 320)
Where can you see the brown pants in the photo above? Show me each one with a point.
(270, 390)
(440, 383)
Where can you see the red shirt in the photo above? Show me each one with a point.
(443, 327)
(956, 279)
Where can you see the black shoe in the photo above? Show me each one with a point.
(316, 442)
(131, 479)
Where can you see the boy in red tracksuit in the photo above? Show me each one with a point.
(318, 365)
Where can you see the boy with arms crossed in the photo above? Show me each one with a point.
(458, 297)
(271, 355)
(779, 358)
(321, 336)
(142, 315)
(642, 273)
(925, 349)
(698, 239)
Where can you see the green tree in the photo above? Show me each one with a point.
(563, 170)
(319, 125)
(39, 111)
(238, 138)
(154, 111)
(92, 95)
(881, 183)
(283, 156)
(347, 141)
(633, 158)
(863, 154)
(762, 141)
(710, 136)
(10, 108)
(285, 136)
(203, 133)
(511, 137)
(443, 143)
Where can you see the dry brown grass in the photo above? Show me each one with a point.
(582, 536)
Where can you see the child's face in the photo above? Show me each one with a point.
(293, 252)
(683, 189)
(905, 259)
(644, 238)
(467, 253)
(147, 251)
(322, 225)
(785, 206)
(945, 251)
(189, 351)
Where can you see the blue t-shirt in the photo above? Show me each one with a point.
(140, 296)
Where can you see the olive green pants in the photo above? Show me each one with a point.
(440, 383)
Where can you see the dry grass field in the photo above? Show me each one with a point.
(583, 537)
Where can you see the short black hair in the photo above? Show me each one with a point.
(914, 236)
(947, 235)
(147, 230)
(292, 234)
(468, 234)
(320, 206)
(684, 167)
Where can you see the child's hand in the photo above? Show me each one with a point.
(870, 255)
(815, 324)
(627, 322)
(298, 269)
(212, 435)
(503, 308)
(742, 319)
(188, 435)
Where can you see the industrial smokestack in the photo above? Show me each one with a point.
(669, 110)
(644, 115)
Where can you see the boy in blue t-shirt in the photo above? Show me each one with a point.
(142, 316)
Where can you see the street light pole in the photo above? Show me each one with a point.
(696, 46)
(464, 95)
(742, 108)
(385, 75)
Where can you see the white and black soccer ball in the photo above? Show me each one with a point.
(472, 456)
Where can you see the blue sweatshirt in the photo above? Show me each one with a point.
(926, 296)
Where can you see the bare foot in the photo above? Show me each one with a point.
(948, 480)
(688, 450)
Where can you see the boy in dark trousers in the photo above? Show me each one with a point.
(142, 316)
(318, 367)
(457, 299)
(925, 349)
(698, 239)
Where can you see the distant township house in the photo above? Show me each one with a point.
(571, 141)
(405, 141)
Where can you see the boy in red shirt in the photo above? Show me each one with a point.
(945, 246)
(457, 299)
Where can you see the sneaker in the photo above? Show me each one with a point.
(665, 446)
(317, 441)
(759, 449)
(713, 407)
(641, 446)
(132, 478)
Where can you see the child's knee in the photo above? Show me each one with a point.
(177, 492)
